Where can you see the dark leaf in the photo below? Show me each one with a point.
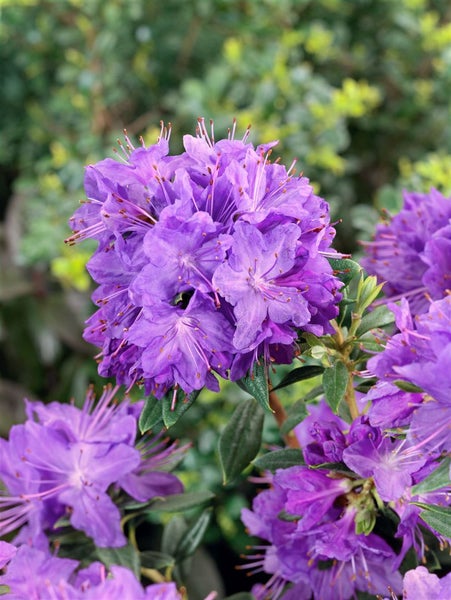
(256, 385)
(241, 439)
(125, 556)
(193, 536)
(172, 534)
(280, 459)
(183, 402)
(151, 559)
(151, 417)
(299, 374)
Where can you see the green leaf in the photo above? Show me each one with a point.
(365, 386)
(299, 374)
(183, 402)
(193, 536)
(436, 480)
(379, 317)
(150, 417)
(313, 393)
(295, 414)
(345, 269)
(151, 559)
(241, 439)
(280, 459)
(172, 534)
(241, 596)
(406, 386)
(256, 385)
(332, 466)
(125, 556)
(181, 502)
(367, 291)
(438, 517)
(335, 380)
(365, 520)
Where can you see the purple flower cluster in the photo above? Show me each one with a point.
(313, 544)
(35, 573)
(412, 252)
(206, 261)
(319, 519)
(419, 354)
(64, 462)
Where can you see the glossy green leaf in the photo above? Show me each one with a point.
(335, 380)
(280, 459)
(241, 439)
(379, 317)
(438, 517)
(345, 269)
(181, 502)
(182, 404)
(299, 374)
(435, 480)
(256, 385)
(151, 417)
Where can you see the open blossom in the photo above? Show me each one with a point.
(421, 354)
(412, 252)
(308, 517)
(207, 261)
(391, 464)
(420, 584)
(63, 461)
(320, 518)
(321, 435)
(33, 573)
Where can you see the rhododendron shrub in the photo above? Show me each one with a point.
(217, 265)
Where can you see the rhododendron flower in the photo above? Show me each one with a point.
(32, 573)
(308, 517)
(412, 252)
(420, 354)
(63, 461)
(207, 262)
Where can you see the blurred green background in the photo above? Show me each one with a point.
(358, 91)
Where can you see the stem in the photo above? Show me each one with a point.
(350, 398)
(344, 347)
(152, 575)
(280, 415)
